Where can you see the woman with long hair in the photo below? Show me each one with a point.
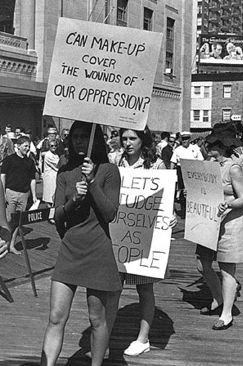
(220, 146)
(86, 200)
(140, 153)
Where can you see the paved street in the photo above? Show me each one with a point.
(179, 336)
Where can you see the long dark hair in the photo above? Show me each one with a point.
(98, 154)
(148, 150)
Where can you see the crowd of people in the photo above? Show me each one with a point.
(85, 193)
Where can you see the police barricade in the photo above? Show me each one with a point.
(26, 218)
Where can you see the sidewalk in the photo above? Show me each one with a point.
(180, 336)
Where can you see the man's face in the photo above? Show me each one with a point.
(51, 136)
(7, 129)
(17, 132)
(218, 50)
(185, 141)
(24, 148)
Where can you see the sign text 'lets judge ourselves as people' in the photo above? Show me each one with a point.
(141, 230)
(102, 73)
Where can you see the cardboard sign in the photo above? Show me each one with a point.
(140, 231)
(102, 73)
(204, 188)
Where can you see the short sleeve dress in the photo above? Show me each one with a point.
(132, 279)
(230, 244)
(86, 257)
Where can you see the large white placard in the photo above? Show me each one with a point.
(102, 73)
(204, 188)
(140, 231)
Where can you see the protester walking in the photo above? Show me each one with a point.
(86, 200)
(140, 153)
(18, 179)
(220, 148)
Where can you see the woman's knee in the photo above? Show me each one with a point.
(97, 318)
(58, 317)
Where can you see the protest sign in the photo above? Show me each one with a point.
(204, 188)
(102, 73)
(140, 231)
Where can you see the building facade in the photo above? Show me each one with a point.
(220, 16)
(215, 98)
(28, 34)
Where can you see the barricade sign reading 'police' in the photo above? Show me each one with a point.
(204, 188)
(140, 232)
(102, 73)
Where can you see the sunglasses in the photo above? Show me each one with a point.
(185, 138)
(53, 145)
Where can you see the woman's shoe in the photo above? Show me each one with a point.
(220, 325)
(208, 311)
(137, 348)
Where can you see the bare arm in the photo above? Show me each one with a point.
(33, 189)
(236, 175)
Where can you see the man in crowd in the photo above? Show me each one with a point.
(167, 151)
(8, 129)
(18, 179)
(163, 141)
(6, 147)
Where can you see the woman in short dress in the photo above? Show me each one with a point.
(220, 147)
(86, 200)
(140, 153)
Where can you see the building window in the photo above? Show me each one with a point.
(227, 91)
(169, 54)
(199, 9)
(206, 92)
(122, 12)
(226, 113)
(196, 115)
(147, 19)
(197, 90)
(205, 115)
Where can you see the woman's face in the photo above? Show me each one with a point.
(131, 142)
(80, 140)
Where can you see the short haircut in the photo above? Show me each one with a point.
(22, 139)
(164, 135)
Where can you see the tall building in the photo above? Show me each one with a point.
(217, 83)
(220, 16)
(28, 29)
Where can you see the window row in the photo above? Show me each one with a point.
(204, 115)
(204, 91)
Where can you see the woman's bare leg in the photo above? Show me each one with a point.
(60, 305)
(99, 303)
(229, 285)
(147, 307)
(212, 280)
